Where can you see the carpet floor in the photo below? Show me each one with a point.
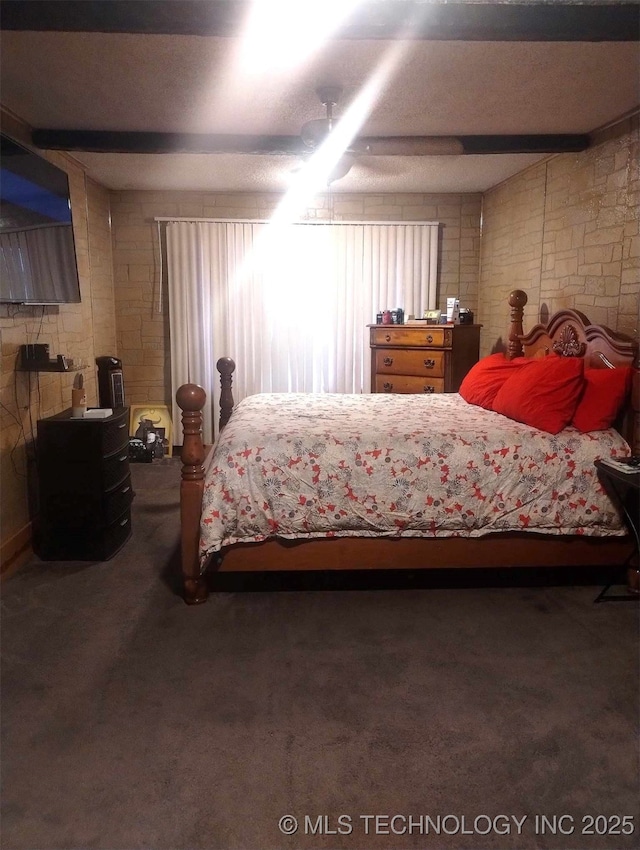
(408, 717)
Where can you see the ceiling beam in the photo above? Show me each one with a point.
(561, 20)
(113, 141)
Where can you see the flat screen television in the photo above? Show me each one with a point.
(37, 249)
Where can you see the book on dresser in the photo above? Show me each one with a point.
(84, 486)
(422, 358)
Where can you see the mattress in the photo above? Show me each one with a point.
(297, 466)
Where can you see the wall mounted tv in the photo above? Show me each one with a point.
(37, 249)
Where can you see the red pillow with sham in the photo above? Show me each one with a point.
(481, 383)
(604, 393)
(545, 394)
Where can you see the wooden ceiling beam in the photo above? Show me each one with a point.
(113, 141)
(563, 20)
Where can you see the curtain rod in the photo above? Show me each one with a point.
(268, 221)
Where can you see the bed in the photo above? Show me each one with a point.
(309, 482)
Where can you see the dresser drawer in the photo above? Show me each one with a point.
(412, 336)
(392, 361)
(408, 384)
(58, 543)
(115, 469)
(115, 434)
(86, 512)
(114, 537)
(117, 501)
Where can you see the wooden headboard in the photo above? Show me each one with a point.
(570, 334)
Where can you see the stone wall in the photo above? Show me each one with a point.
(566, 231)
(80, 331)
(141, 302)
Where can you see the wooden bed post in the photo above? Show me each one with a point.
(517, 300)
(226, 366)
(191, 399)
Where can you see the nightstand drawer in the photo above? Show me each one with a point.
(115, 469)
(72, 514)
(117, 501)
(412, 336)
(87, 544)
(115, 434)
(408, 384)
(391, 361)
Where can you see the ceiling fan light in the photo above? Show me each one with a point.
(313, 133)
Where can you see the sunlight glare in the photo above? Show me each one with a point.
(281, 34)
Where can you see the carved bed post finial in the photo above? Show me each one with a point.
(191, 399)
(517, 300)
(226, 366)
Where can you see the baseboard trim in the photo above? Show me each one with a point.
(16, 551)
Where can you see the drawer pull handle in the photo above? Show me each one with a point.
(125, 489)
(124, 457)
(428, 389)
(388, 337)
(123, 425)
(387, 387)
(388, 361)
(430, 364)
(124, 521)
(429, 337)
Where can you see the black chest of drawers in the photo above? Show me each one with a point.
(85, 489)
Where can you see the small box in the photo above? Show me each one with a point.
(453, 310)
(98, 413)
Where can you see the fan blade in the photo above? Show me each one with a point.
(410, 146)
(458, 145)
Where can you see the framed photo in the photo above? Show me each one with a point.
(151, 423)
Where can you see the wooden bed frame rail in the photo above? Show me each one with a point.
(568, 333)
(191, 399)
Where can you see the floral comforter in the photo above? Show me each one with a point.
(322, 465)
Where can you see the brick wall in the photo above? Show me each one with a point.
(566, 231)
(80, 331)
(142, 308)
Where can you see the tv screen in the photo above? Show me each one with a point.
(37, 249)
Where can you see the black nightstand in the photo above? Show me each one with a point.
(624, 489)
(84, 486)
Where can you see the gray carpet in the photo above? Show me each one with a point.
(132, 721)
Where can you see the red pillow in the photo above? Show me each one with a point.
(604, 394)
(545, 394)
(482, 382)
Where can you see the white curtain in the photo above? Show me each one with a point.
(289, 303)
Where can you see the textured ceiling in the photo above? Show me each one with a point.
(195, 84)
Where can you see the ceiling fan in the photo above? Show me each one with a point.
(313, 133)
(310, 138)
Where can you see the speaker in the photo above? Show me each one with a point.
(110, 382)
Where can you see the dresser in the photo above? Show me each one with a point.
(84, 487)
(422, 358)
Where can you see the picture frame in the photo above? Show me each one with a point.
(158, 433)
